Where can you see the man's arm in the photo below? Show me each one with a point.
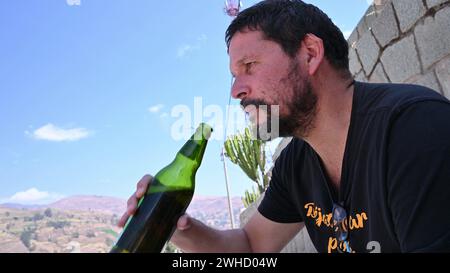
(258, 235)
(265, 235)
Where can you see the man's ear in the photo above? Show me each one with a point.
(313, 50)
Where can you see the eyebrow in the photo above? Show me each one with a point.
(246, 57)
(242, 61)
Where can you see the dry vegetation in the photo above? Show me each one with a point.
(55, 231)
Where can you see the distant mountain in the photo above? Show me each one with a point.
(86, 223)
(109, 205)
(212, 210)
(22, 206)
(105, 204)
(212, 203)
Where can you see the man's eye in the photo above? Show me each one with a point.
(248, 66)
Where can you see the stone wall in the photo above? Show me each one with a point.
(301, 242)
(403, 41)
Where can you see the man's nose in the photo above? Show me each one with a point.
(239, 90)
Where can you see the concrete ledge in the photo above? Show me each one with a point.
(300, 244)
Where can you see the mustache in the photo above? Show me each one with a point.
(254, 102)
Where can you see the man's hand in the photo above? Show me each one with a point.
(191, 235)
(141, 189)
(184, 222)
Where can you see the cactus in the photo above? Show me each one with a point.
(249, 154)
(250, 197)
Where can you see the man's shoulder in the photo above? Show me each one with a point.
(294, 145)
(374, 97)
(292, 152)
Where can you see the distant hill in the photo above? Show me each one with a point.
(105, 204)
(87, 223)
(212, 210)
(52, 230)
(22, 206)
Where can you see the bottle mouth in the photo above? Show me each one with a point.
(202, 132)
(205, 130)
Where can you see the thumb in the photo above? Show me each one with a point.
(184, 222)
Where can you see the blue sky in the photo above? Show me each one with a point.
(86, 91)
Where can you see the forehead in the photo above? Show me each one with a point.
(245, 43)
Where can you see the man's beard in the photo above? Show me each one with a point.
(300, 101)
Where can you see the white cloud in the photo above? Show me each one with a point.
(32, 196)
(51, 132)
(187, 49)
(156, 108)
(73, 2)
(202, 38)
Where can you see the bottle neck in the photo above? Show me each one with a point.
(195, 147)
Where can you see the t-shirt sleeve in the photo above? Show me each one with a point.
(277, 204)
(418, 177)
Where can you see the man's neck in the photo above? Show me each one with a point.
(328, 136)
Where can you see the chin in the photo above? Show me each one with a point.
(261, 132)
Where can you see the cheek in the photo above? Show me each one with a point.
(271, 87)
(276, 93)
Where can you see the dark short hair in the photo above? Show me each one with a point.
(287, 22)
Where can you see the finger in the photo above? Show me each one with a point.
(132, 205)
(184, 222)
(123, 220)
(142, 185)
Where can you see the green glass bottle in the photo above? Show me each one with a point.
(167, 198)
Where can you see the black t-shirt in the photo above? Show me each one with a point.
(395, 183)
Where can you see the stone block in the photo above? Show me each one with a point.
(354, 64)
(385, 28)
(429, 80)
(380, 5)
(360, 77)
(361, 27)
(408, 12)
(443, 74)
(368, 51)
(400, 60)
(434, 3)
(353, 39)
(370, 16)
(378, 75)
(433, 37)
